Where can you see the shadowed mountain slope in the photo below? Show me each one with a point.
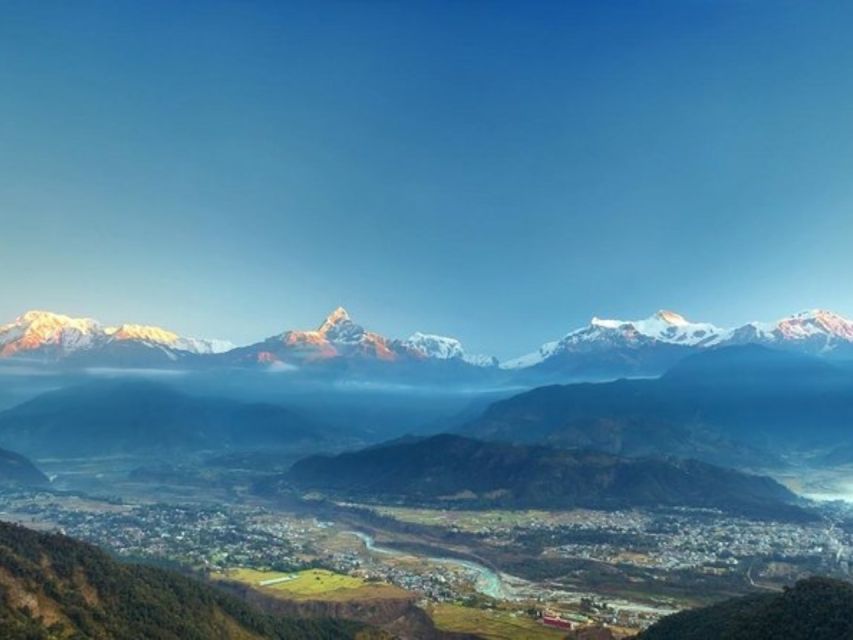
(453, 470)
(138, 417)
(53, 587)
(814, 609)
(722, 405)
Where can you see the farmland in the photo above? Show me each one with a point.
(312, 584)
(493, 624)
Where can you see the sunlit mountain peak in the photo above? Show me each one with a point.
(335, 318)
(142, 332)
(671, 317)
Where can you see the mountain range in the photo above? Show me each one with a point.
(619, 348)
(604, 349)
(739, 404)
(142, 417)
(747, 406)
(48, 336)
(339, 342)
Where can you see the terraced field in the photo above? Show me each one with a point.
(312, 584)
(491, 624)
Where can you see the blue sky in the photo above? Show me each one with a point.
(495, 171)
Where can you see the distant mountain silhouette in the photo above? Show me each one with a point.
(137, 417)
(16, 469)
(723, 405)
(754, 365)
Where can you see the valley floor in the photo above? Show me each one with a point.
(492, 570)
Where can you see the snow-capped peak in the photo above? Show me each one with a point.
(335, 318)
(433, 346)
(815, 322)
(529, 359)
(663, 326)
(605, 323)
(45, 321)
(159, 336)
(445, 348)
(339, 327)
(38, 330)
(815, 331)
(671, 317)
(662, 318)
(142, 332)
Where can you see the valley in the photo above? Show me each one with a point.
(371, 320)
(619, 568)
(479, 509)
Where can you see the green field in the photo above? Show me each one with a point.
(480, 519)
(312, 584)
(491, 624)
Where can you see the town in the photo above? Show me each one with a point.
(673, 547)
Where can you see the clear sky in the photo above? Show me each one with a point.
(495, 171)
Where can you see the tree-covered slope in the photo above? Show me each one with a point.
(461, 471)
(814, 609)
(53, 587)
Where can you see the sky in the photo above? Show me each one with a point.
(495, 171)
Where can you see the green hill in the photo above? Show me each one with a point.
(814, 609)
(53, 587)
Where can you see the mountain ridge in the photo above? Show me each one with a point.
(449, 469)
(56, 336)
(146, 417)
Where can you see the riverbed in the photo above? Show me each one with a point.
(486, 581)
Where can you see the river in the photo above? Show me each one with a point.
(486, 581)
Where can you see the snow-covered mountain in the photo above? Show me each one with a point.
(445, 348)
(42, 330)
(605, 348)
(338, 339)
(157, 336)
(337, 336)
(56, 337)
(815, 331)
(664, 327)
(53, 337)
(649, 346)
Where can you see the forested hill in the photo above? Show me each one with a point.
(450, 469)
(814, 609)
(53, 587)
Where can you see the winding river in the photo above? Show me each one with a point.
(493, 584)
(486, 581)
